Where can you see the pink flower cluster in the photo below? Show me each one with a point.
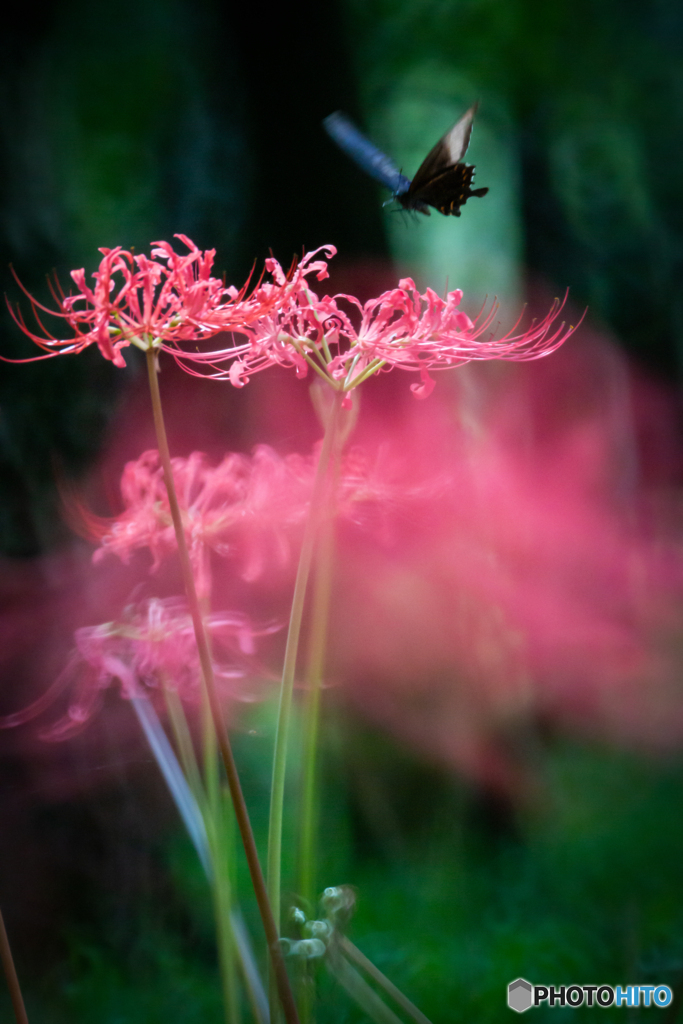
(242, 504)
(170, 302)
(402, 328)
(151, 648)
(246, 508)
(528, 587)
(163, 302)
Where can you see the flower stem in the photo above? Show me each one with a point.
(354, 954)
(289, 668)
(267, 917)
(201, 822)
(179, 788)
(11, 976)
(291, 651)
(308, 813)
(322, 594)
(223, 899)
(359, 990)
(184, 744)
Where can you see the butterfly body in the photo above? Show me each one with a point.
(442, 181)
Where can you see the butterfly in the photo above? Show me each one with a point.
(442, 179)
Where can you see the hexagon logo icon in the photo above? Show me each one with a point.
(520, 995)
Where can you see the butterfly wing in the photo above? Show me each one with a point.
(443, 180)
(448, 151)
(368, 157)
(446, 191)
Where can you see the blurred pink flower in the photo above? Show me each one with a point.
(161, 302)
(246, 508)
(243, 506)
(151, 648)
(521, 583)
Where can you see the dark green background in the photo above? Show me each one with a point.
(128, 122)
(134, 122)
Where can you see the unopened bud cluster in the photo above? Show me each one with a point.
(337, 903)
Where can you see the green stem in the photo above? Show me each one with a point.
(272, 937)
(308, 830)
(369, 370)
(289, 668)
(319, 367)
(359, 990)
(222, 893)
(11, 976)
(214, 862)
(183, 738)
(353, 953)
(322, 594)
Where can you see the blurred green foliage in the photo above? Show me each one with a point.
(595, 94)
(583, 885)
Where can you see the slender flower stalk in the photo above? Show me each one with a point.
(359, 990)
(320, 487)
(322, 592)
(184, 744)
(354, 954)
(176, 781)
(308, 812)
(291, 651)
(210, 848)
(320, 613)
(11, 975)
(191, 801)
(267, 917)
(223, 857)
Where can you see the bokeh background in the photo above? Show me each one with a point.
(516, 818)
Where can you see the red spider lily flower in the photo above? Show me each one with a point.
(401, 328)
(269, 341)
(420, 332)
(152, 648)
(163, 301)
